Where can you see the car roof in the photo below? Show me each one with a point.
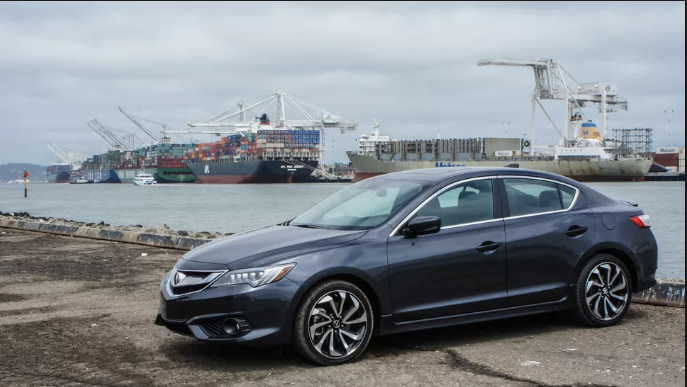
(443, 173)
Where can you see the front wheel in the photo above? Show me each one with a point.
(333, 324)
(603, 292)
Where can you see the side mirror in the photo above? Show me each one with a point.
(422, 225)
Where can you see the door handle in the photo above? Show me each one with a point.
(576, 231)
(488, 247)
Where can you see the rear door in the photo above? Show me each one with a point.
(548, 227)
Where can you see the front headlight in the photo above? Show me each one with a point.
(254, 277)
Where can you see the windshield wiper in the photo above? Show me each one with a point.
(307, 226)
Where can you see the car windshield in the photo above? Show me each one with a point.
(361, 206)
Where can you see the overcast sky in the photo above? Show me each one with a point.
(412, 65)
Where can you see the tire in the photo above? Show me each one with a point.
(320, 323)
(597, 304)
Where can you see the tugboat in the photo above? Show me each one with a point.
(144, 179)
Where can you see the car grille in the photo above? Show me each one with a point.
(185, 282)
(213, 328)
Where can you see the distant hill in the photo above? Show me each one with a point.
(13, 171)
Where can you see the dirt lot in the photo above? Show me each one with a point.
(77, 312)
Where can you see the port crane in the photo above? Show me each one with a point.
(163, 126)
(68, 156)
(143, 128)
(313, 118)
(551, 84)
(118, 139)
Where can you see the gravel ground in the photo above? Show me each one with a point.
(78, 312)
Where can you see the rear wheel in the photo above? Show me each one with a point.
(603, 292)
(333, 324)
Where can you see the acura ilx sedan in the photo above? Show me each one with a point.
(415, 250)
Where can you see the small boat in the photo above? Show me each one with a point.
(144, 179)
(81, 181)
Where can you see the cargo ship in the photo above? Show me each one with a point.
(584, 158)
(164, 161)
(263, 156)
(59, 173)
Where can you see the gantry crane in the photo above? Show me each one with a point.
(68, 156)
(551, 84)
(163, 128)
(118, 139)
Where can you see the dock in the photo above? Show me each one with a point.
(664, 176)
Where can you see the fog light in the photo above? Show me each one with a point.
(231, 327)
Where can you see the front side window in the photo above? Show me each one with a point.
(361, 206)
(529, 196)
(465, 203)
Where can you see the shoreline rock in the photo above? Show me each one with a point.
(158, 229)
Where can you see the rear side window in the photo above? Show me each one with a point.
(528, 196)
(567, 196)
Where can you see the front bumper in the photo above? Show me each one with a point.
(267, 310)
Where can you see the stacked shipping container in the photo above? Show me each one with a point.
(671, 157)
(255, 146)
(228, 148)
(155, 156)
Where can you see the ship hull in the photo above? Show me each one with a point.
(252, 172)
(58, 178)
(127, 175)
(102, 175)
(580, 170)
(165, 175)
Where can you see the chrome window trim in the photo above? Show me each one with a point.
(500, 177)
(169, 281)
(572, 205)
(419, 207)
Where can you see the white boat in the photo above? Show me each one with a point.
(144, 179)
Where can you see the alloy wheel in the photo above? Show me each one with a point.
(337, 324)
(607, 291)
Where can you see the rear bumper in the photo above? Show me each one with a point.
(264, 313)
(648, 280)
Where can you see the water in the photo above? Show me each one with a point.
(237, 208)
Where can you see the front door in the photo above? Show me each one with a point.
(459, 270)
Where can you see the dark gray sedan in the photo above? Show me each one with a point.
(416, 250)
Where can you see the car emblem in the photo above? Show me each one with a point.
(178, 277)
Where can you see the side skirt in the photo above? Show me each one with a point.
(388, 326)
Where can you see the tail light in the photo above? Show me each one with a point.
(642, 221)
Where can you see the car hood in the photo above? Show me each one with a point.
(268, 246)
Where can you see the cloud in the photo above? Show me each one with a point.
(412, 65)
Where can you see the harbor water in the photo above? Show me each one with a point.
(236, 208)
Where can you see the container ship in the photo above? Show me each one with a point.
(59, 173)
(583, 158)
(261, 156)
(164, 161)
